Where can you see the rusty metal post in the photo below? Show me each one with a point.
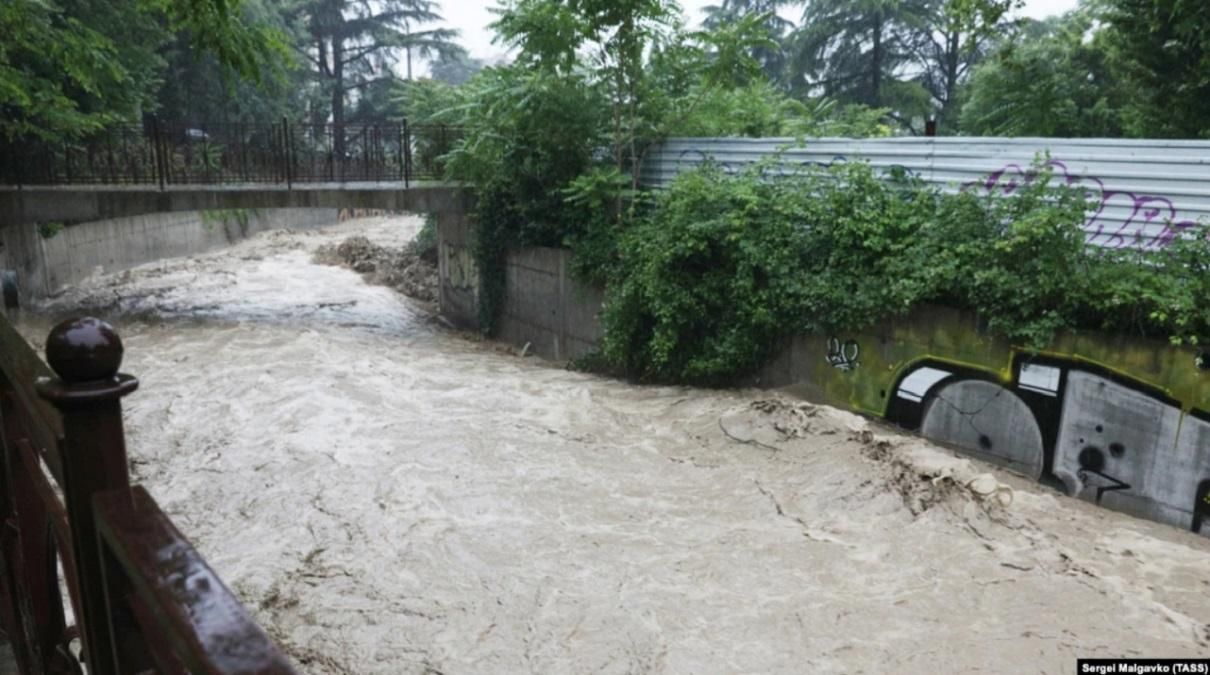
(86, 354)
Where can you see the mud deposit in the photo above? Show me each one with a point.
(390, 498)
(395, 267)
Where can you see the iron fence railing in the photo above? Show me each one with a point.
(142, 599)
(160, 154)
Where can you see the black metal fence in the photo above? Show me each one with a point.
(161, 154)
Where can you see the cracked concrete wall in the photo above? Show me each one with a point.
(46, 264)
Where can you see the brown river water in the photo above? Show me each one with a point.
(388, 496)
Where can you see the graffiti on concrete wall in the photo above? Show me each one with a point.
(1118, 422)
(1090, 433)
(843, 355)
(458, 266)
(1202, 509)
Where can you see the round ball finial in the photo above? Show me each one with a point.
(83, 350)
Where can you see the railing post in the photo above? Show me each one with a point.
(287, 143)
(399, 133)
(86, 354)
(157, 151)
(407, 154)
(22, 644)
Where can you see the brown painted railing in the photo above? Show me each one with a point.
(143, 599)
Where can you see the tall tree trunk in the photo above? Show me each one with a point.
(953, 44)
(338, 98)
(876, 65)
(409, 53)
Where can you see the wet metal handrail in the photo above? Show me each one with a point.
(143, 598)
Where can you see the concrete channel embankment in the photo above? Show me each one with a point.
(45, 258)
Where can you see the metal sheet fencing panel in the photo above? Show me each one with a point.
(1144, 192)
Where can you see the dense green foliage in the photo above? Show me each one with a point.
(1111, 68)
(349, 46)
(73, 67)
(554, 148)
(705, 277)
(1054, 84)
(772, 54)
(1161, 51)
(722, 267)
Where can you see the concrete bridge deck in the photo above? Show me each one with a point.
(81, 203)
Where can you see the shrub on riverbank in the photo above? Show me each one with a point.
(722, 266)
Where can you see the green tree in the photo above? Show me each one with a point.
(70, 68)
(956, 37)
(772, 54)
(455, 68)
(849, 48)
(426, 44)
(353, 44)
(857, 51)
(196, 88)
(1161, 51)
(613, 35)
(1054, 81)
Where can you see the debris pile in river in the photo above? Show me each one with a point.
(398, 268)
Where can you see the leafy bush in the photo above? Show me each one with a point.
(725, 265)
(49, 230)
(762, 110)
(706, 280)
(1020, 261)
(526, 135)
(553, 147)
(429, 107)
(424, 244)
(1154, 293)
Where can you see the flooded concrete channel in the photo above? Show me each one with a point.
(389, 496)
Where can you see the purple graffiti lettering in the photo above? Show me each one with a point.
(1146, 212)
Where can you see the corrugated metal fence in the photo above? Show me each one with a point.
(1144, 192)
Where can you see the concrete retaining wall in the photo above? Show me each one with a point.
(458, 295)
(556, 315)
(46, 264)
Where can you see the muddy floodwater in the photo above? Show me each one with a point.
(388, 496)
